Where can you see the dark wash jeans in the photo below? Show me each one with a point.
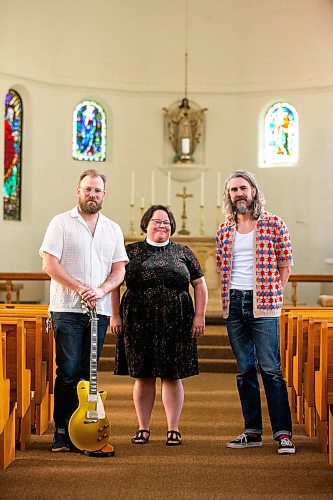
(255, 342)
(72, 339)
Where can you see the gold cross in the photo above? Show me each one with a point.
(184, 195)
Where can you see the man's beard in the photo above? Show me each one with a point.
(242, 206)
(90, 207)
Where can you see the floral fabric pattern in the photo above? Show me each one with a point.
(271, 250)
(157, 313)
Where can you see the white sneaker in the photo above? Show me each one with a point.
(286, 446)
(245, 441)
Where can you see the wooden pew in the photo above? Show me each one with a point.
(40, 360)
(310, 329)
(324, 382)
(298, 371)
(300, 355)
(330, 435)
(18, 374)
(288, 323)
(283, 327)
(305, 309)
(29, 365)
(29, 307)
(290, 344)
(7, 413)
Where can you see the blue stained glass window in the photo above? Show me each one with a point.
(281, 135)
(12, 156)
(89, 132)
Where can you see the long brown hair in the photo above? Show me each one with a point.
(258, 198)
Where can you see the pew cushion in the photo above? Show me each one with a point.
(325, 300)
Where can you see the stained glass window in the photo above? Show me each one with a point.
(281, 135)
(13, 154)
(89, 132)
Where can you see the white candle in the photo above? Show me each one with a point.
(132, 187)
(153, 188)
(142, 203)
(169, 189)
(185, 145)
(218, 199)
(202, 189)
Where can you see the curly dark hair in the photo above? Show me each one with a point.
(148, 215)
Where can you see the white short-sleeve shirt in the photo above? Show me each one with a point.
(242, 262)
(86, 257)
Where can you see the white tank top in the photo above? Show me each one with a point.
(242, 262)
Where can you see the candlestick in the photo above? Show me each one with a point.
(218, 216)
(169, 188)
(218, 199)
(142, 209)
(153, 188)
(202, 225)
(132, 230)
(132, 187)
(202, 189)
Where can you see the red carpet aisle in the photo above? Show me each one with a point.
(202, 468)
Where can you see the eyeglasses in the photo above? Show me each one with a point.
(89, 190)
(158, 222)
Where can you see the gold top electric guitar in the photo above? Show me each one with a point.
(89, 427)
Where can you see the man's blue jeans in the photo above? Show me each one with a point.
(72, 339)
(255, 343)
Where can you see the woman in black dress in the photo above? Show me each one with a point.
(156, 323)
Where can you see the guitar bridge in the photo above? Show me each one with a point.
(92, 415)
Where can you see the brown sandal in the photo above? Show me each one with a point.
(174, 438)
(140, 437)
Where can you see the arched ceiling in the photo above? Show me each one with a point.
(140, 44)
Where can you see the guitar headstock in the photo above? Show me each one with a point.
(88, 310)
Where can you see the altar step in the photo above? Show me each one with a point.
(215, 354)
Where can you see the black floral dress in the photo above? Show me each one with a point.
(157, 312)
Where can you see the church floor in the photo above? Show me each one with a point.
(202, 468)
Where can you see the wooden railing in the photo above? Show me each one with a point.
(307, 278)
(294, 279)
(8, 278)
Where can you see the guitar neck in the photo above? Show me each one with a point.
(93, 354)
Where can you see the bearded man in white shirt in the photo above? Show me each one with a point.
(84, 254)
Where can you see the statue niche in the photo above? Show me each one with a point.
(185, 126)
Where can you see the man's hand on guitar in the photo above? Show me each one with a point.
(91, 294)
(116, 324)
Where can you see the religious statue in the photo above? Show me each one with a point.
(185, 126)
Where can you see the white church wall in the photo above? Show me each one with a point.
(133, 81)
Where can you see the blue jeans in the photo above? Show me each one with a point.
(72, 339)
(255, 343)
